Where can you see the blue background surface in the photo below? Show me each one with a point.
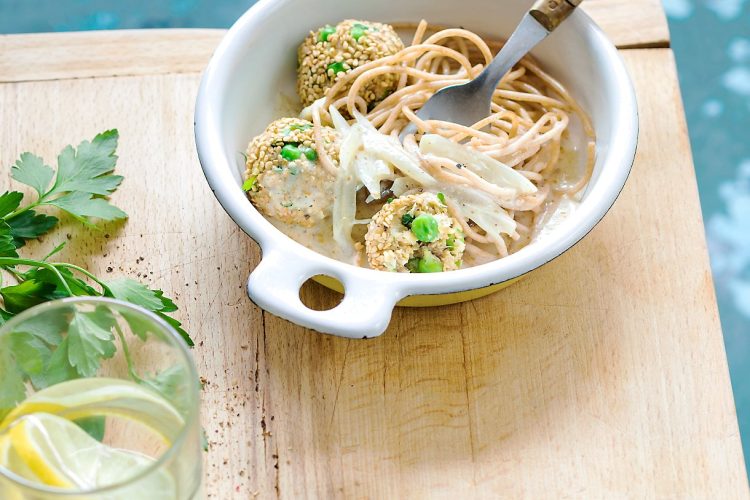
(711, 41)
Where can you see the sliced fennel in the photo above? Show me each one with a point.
(339, 122)
(402, 185)
(345, 193)
(484, 166)
(389, 149)
(371, 171)
(481, 208)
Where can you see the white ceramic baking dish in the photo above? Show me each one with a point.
(250, 82)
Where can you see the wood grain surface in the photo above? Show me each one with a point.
(601, 375)
(48, 56)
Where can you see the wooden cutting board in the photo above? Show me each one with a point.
(601, 375)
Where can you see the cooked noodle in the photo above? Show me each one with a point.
(530, 113)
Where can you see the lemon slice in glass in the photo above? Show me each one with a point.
(53, 451)
(102, 396)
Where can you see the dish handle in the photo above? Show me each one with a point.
(364, 312)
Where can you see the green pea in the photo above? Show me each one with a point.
(358, 31)
(249, 183)
(290, 152)
(425, 228)
(413, 265)
(310, 153)
(337, 67)
(429, 264)
(325, 32)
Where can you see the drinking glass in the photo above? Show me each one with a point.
(114, 371)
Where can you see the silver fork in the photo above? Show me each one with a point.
(470, 102)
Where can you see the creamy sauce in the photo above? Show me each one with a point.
(317, 237)
(551, 218)
(556, 211)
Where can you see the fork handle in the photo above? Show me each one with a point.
(550, 13)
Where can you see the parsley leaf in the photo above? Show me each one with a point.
(174, 384)
(87, 169)
(177, 326)
(77, 286)
(168, 381)
(84, 178)
(134, 292)
(58, 369)
(9, 201)
(93, 426)
(12, 388)
(153, 300)
(31, 352)
(31, 170)
(27, 294)
(7, 242)
(82, 206)
(90, 340)
(30, 225)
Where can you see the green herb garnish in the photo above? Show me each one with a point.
(249, 183)
(413, 265)
(441, 197)
(407, 219)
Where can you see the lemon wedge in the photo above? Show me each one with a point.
(102, 396)
(53, 451)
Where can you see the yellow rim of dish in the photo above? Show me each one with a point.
(440, 299)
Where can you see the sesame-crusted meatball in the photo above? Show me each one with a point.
(284, 178)
(414, 233)
(329, 53)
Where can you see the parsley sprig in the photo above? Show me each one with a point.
(80, 186)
